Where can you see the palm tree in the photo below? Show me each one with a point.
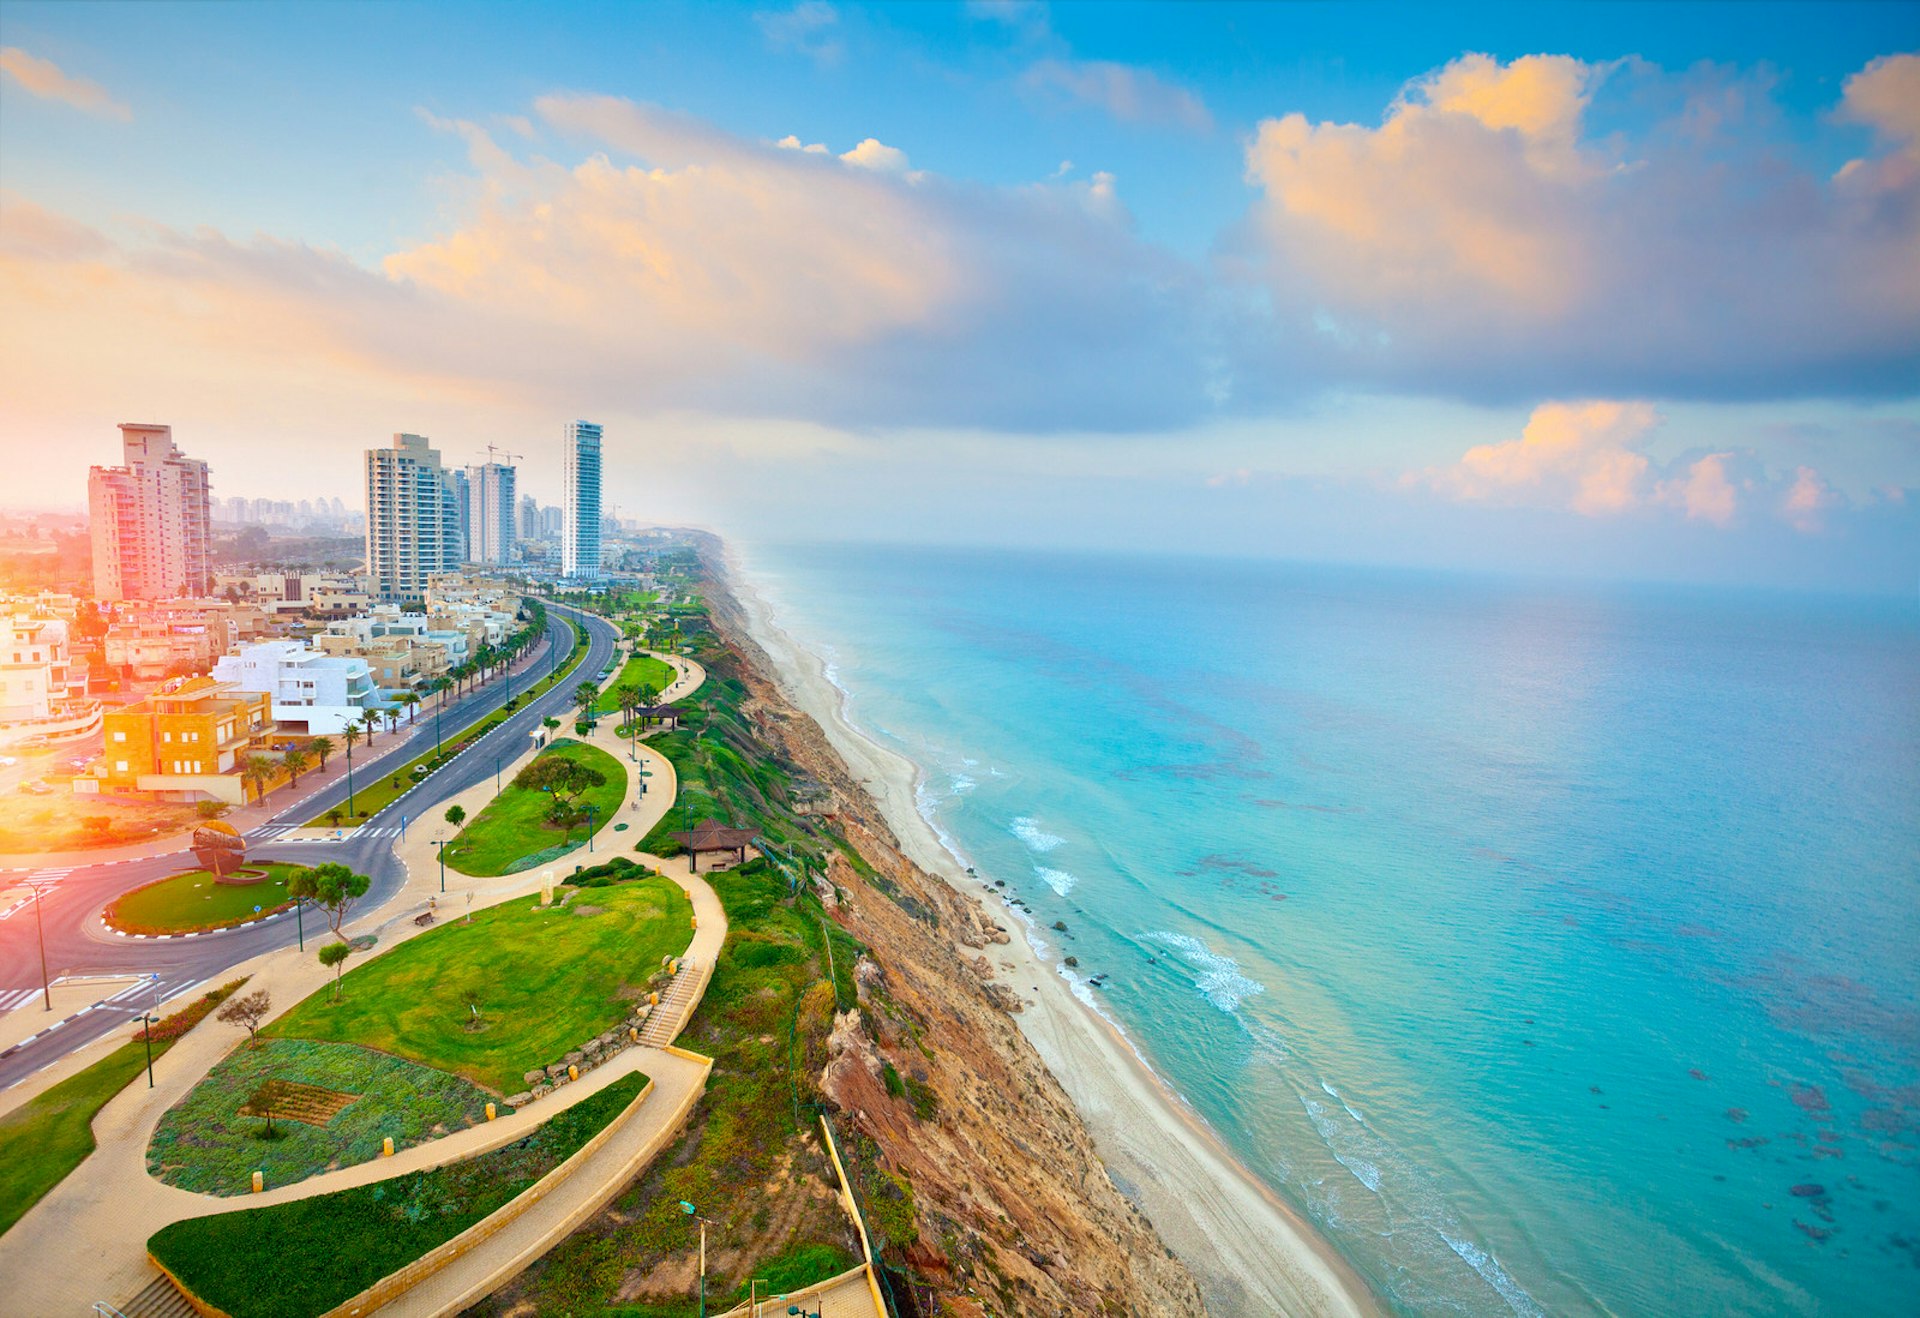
(393, 719)
(370, 717)
(323, 747)
(258, 770)
(352, 736)
(586, 695)
(412, 702)
(295, 760)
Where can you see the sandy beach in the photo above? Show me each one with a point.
(1251, 1253)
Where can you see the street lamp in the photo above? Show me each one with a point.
(496, 775)
(694, 1213)
(148, 1018)
(440, 848)
(40, 924)
(350, 810)
(300, 925)
(590, 813)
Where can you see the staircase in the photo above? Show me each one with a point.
(664, 1022)
(160, 1298)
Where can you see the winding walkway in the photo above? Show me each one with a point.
(87, 1238)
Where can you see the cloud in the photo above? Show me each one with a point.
(1704, 490)
(1584, 455)
(810, 27)
(877, 155)
(1127, 92)
(1807, 501)
(1482, 242)
(43, 78)
(668, 265)
(1591, 457)
(1027, 19)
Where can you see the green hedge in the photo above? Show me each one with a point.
(303, 1258)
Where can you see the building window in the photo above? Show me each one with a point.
(120, 736)
(119, 766)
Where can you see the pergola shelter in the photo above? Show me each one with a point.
(665, 715)
(709, 836)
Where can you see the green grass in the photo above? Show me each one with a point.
(193, 900)
(203, 1143)
(657, 673)
(46, 1137)
(511, 833)
(545, 980)
(764, 1020)
(303, 1258)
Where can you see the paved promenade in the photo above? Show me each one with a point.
(89, 1234)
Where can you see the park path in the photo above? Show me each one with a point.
(90, 1232)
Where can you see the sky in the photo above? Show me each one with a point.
(1601, 290)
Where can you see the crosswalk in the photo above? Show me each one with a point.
(11, 998)
(278, 833)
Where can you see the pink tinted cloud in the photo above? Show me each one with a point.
(45, 79)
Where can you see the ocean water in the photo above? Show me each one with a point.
(1552, 949)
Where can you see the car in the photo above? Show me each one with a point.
(36, 788)
(9, 760)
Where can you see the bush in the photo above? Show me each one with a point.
(297, 1259)
(177, 1024)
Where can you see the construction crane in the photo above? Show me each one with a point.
(493, 449)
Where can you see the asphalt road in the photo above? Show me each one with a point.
(72, 948)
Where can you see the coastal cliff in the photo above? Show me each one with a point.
(857, 986)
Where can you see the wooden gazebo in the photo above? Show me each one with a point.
(710, 835)
(665, 715)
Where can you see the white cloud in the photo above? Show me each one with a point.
(810, 27)
(1479, 241)
(877, 155)
(1125, 91)
(44, 79)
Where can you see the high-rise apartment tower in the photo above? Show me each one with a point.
(413, 518)
(492, 520)
(580, 503)
(150, 520)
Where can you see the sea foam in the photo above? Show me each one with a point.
(1028, 830)
(1217, 977)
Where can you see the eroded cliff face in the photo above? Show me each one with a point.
(1013, 1208)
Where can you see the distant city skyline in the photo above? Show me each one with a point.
(1613, 292)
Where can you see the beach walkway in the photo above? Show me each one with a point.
(86, 1240)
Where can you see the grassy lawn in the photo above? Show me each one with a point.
(48, 1136)
(751, 1157)
(203, 1143)
(193, 900)
(657, 673)
(545, 980)
(304, 1258)
(512, 834)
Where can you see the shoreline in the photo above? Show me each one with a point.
(1251, 1251)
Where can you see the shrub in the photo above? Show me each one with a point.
(172, 1027)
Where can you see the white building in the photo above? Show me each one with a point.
(493, 522)
(325, 692)
(150, 520)
(580, 524)
(413, 518)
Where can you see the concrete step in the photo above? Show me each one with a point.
(160, 1298)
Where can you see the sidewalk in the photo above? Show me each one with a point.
(95, 1224)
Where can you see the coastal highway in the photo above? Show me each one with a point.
(76, 944)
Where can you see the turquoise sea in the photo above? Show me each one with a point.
(1554, 948)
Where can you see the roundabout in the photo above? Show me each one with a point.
(201, 901)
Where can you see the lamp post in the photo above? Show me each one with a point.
(590, 813)
(148, 1018)
(299, 924)
(694, 1213)
(40, 925)
(438, 749)
(496, 775)
(350, 810)
(440, 849)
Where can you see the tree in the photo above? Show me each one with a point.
(333, 816)
(270, 1097)
(323, 747)
(550, 724)
(352, 736)
(247, 1012)
(393, 720)
(295, 760)
(586, 695)
(456, 815)
(332, 887)
(333, 956)
(566, 779)
(412, 702)
(258, 770)
(370, 717)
